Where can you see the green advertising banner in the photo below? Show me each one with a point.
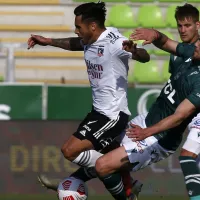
(73, 103)
(20, 102)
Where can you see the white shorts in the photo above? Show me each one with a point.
(192, 143)
(145, 152)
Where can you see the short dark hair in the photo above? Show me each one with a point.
(92, 12)
(187, 11)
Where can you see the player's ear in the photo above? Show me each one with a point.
(93, 26)
(198, 25)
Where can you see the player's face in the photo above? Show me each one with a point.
(83, 29)
(188, 30)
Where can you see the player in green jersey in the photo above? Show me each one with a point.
(177, 104)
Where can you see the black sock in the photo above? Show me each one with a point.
(85, 173)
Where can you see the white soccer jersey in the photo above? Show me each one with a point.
(107, 67)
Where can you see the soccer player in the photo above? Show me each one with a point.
(159, 133)
(187, 17)
(107, 67)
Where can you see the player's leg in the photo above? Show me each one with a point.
(187, 159)
(92, 133)
(135, 155)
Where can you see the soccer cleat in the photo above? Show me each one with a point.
(48, 183)
(136, 189)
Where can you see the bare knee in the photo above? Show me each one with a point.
(185, 152)
(67, 153)
(101, 167)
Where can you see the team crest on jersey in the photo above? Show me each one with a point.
(100, 51)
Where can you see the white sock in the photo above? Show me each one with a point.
(87, 158)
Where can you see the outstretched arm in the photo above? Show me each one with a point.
(184, 110)
(72, 43)
(159, 39)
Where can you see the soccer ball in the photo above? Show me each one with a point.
(72, 189)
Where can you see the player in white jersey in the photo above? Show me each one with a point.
(107, 66)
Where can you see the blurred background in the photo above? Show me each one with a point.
(44, 93)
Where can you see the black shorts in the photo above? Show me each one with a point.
(101, 130)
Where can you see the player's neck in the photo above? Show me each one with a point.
(195, 39)
(96, 35)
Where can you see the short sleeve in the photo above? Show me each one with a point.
(116, 48)
(185, 50)
(194, 96)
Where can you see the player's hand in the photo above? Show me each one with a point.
(149, 35)
(37, 39)
(136, 133)
(129, 45)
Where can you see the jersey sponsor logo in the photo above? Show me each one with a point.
(91, 122)
(113, 37)
(169, 91)
(83, 132)
(197, 122)
(188, 60)
(100, 51)
(94, 70)
(198, 94)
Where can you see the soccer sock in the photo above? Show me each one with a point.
(87, 158)
(114, 185)
(192, 176)
(85, 173)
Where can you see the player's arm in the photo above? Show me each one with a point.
(124, 49)
(72, 43)
(138, 54)
(183, 111)
(159, 39)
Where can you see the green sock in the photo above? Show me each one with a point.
(114, 185)
(192, 176)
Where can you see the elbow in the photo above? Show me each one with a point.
(146, 58)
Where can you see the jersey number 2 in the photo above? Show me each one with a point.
(169, 91)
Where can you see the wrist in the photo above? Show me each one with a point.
(149, 132)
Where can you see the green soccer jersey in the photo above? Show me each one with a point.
(184, 83)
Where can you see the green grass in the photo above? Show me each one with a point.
(53, 197)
